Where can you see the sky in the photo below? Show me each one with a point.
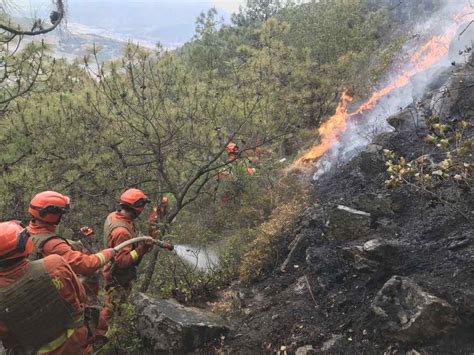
(229, 5)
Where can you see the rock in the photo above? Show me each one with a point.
(371, 161)
(376, 204)
(165, 325)
(329, 344)
(346, 223)
(300, 286)
(410, 314)
(456, 99)
(305, 350)
(407, 120)
(373, 255)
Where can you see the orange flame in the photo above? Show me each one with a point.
(329, 131)
(425, 57)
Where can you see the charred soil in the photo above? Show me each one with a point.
(377, 270)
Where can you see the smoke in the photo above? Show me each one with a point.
(434, 47)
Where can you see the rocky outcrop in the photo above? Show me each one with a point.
(410, 314)
(166, 325)
(374, 255)
(347, 223)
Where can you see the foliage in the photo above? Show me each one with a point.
(122, 334)
(160, 120)
(265, 251)
(451, 159)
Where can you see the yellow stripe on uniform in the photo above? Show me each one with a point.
(134, 255)
(102, 258)
(56, 343)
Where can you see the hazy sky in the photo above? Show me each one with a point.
(227, 5)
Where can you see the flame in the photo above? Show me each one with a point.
(329, 131)
(426, 56)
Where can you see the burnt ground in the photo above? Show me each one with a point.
(324, 297)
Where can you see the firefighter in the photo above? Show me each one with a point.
(118, 227)
(40, 301)
(232, 151)
(47, 209)
(157, 217)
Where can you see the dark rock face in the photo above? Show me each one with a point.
(165, 325)
(410, 314)
(346, 223)
(378, 205)
(374, 255)
(369, 160)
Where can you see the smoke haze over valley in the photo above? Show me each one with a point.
(109, 23)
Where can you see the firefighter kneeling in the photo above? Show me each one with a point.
(40, 301)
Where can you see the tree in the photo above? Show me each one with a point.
(256, 11)
(21, 66)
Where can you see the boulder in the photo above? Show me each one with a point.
(371, 161)
(346, 223)
(305, 350)
(409, 314)
(166, 325)
(328, 345)
(377, 205)
(374, 255)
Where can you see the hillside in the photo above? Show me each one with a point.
(311, 162)
(391, 271)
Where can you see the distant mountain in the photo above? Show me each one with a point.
(169, 22)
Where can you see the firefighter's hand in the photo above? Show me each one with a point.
(145, 246)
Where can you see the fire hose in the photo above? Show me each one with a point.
(157, 242)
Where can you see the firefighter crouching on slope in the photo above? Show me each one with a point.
(47, 209)
(120, 274)
(40, 301)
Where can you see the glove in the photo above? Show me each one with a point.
(144, 247)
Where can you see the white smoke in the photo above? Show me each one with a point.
(363, 128)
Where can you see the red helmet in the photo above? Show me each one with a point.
(86, 231)
(49, 206)
(232, 148)
(15, 241)
(134, 198)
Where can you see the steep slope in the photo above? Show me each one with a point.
(373, 269)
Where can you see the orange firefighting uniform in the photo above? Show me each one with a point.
(81, 263)
(125, 258)
(73, 341)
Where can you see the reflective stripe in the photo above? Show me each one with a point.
(63, 338)
(102, 258)
(57, 342)
(134, 255)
